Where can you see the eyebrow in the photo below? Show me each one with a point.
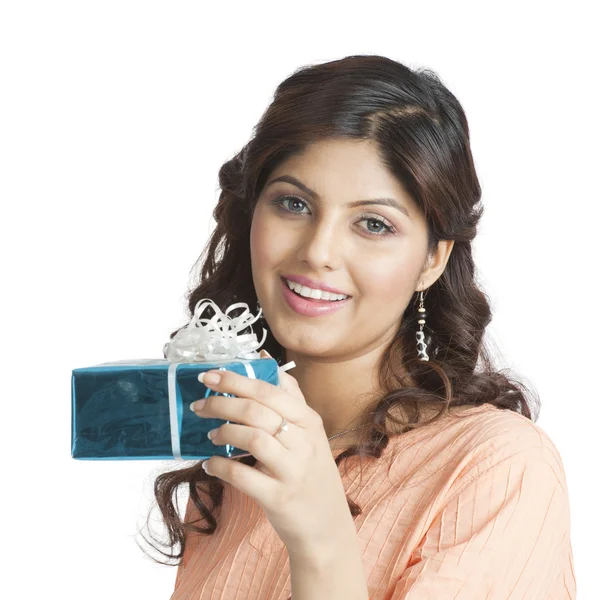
(384, 201)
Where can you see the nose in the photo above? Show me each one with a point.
(320, 248)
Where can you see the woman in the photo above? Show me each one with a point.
(360, 181)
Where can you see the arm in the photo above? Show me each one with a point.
(335, 572)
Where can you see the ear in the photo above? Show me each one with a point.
(436, 263)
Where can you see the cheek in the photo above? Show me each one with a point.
(257, 242)
(388, 281)
(268, 243)
(268, 246)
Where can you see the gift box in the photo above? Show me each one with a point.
(139, 409)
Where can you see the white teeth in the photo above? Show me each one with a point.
(316, 294)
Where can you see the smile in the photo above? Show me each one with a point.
(309, 306)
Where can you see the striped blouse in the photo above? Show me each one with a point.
(470, 508)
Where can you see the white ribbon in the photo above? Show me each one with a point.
(173, 416)
(217, 338)
(209, 340)
(205, 340)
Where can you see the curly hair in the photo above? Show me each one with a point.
(422, 135)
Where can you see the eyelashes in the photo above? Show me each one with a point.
(388, 229)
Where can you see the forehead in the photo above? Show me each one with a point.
(337, 156)
(343, 170)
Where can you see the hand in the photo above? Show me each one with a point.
(297, 484)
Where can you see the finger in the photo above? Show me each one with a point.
(264, 447)
(245, 411)
(252, 482)
(263, 392)
(286, 381)
(290, 385)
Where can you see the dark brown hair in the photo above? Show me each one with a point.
(422, 136)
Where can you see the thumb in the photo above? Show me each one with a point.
(286, 382)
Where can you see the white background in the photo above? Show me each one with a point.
(114, 120)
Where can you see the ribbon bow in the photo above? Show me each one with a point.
(217, 338)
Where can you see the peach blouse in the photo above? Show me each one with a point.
(469, 508)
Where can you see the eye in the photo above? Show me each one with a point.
(384, 228)
(387, 229)
(280, 201)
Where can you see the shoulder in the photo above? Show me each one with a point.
(470, 440)
(488, 438)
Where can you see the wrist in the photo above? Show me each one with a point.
(333, 570)
(320, 553)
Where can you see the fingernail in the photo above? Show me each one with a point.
(265, 353)
(194, 406)
(210, 378)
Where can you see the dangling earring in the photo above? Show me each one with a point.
(421, 344)
(258, 309)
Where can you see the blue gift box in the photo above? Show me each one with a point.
(139, 409)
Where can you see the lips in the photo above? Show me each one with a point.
(284, 280)
(313, 284)
(311, 307)
(307, 298)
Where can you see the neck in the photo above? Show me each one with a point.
(338, 389)
(343, 441)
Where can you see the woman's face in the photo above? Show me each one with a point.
(347, 247)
